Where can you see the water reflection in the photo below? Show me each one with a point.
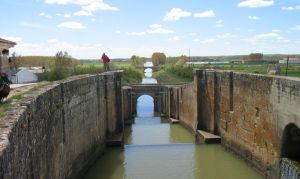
(145, 106)
(148, 72)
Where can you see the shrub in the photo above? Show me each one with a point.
(61, 69)
(137, 61)
(132, 75)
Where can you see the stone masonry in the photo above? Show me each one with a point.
(57, 131)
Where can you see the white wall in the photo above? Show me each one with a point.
(24, 76)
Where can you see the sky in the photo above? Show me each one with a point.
(122, 28)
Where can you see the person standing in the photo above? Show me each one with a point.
(105, 61)
(5, 64)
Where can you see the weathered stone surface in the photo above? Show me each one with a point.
(203, 137)
(61, 128)
(250, 112)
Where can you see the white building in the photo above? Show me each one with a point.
(291, 61)
(24, 76)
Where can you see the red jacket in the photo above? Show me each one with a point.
(105, 59)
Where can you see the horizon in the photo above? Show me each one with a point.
(86, 29)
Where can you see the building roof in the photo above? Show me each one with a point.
(6, 44)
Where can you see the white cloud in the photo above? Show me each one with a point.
(51, 46)
(71, 25)
(206, 41)
(219, 21)
(29, 24)
(297, 27)
(220, 25)
(14, 39)
(99, 5)
(254, 18)
(52, 41)
(205, 14)
(67, 15)
(153, 29)
(83, 13)
(265, 37)
(136, 33)
(256, 3)
(175, 14)
(290, 8)
(158, 29)
(155, 26)
(45, 15)
(276, 30)
(89, 6)
(174, 38)
(196, 40)
(226, 36)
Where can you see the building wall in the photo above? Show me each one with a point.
(24, 76)
(57, 131)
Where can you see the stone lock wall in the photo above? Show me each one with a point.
(58, 130)
(250, 112)
(188, 106)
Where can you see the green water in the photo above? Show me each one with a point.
(156, 149)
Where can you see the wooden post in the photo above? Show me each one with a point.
(287, 65)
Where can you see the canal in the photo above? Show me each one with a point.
(156, 149)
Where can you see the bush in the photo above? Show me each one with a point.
(184, 71)
(132, 75)
(137, 61)
(61, 69)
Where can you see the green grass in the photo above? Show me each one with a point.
(132, 75)
(8, 104)
(293, 71)
(180, 73)
(99, 64)
(163, 76)
(4, 107)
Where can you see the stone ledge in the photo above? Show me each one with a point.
(174, 121)
(203, 137)
(115, 140)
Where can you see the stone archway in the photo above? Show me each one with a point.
(145, 106)
(290, 147)
(290, 152)
(159, 93)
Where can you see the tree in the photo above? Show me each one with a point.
(137, 61)
(61, 68)
(253, 57)
(181, 60)
(158, 58)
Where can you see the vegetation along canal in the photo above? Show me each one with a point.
(156, 149)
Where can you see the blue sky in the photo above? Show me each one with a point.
(121, 28)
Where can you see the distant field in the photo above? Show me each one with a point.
(112, 64)
(30, 61)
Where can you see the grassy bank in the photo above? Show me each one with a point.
(163, 76)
